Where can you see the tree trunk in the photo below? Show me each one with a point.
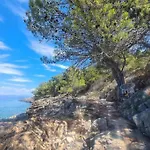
(116, 72)
(118, 75)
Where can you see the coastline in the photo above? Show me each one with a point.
(18, 116)
(27, 100)
(49, 120)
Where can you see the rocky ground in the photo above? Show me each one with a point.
(79, 123)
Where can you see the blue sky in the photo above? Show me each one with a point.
(21, 70)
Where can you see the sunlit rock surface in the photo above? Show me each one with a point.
(69, 123)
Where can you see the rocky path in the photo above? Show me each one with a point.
(116, 133)
(73, 124)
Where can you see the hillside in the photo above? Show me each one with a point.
(87, 65)
(82, 122)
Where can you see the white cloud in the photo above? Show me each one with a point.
(11, 69)
(60, 66)
(42, 48)
(39, 75)
(17, 79)
(3, 46)
(48, 68)
(3, 56)
(8, 65)
(12, 84)
(14, 90)
(16, 9)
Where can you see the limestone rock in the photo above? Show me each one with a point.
(134, 105)
(142, 121)
(66, 124)
(99, 124)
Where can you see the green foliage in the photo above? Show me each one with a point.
(74, 80)
(137, 61)
(91, 74)
(91, 31)
(69, 82)
(42, 90)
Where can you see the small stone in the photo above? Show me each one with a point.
(69, 139)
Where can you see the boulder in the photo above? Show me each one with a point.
(138, 103)
(144, 106)
(142, 121)
(100, 124)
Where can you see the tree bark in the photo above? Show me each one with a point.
(116, 72)
(118, 75)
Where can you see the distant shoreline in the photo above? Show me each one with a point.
(19, 117)
(14, 107)
(28, 100)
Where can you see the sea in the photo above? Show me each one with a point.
(11, 105)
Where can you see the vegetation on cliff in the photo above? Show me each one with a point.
(75, 81)
(72, 81)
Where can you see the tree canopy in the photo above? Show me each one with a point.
(92, 31)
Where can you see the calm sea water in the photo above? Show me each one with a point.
(11, 105)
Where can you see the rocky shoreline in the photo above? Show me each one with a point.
(65, 123)
(20, 117)
(28, 100)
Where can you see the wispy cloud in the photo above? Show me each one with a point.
(12, 84)
(48, 68)
(3, 56)
(16, 9)
(3, 46)
(7, 90)
(18, 79)
(60, 66)
(12, 65)
(11, 69)
(42, 48)
(39, 75)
